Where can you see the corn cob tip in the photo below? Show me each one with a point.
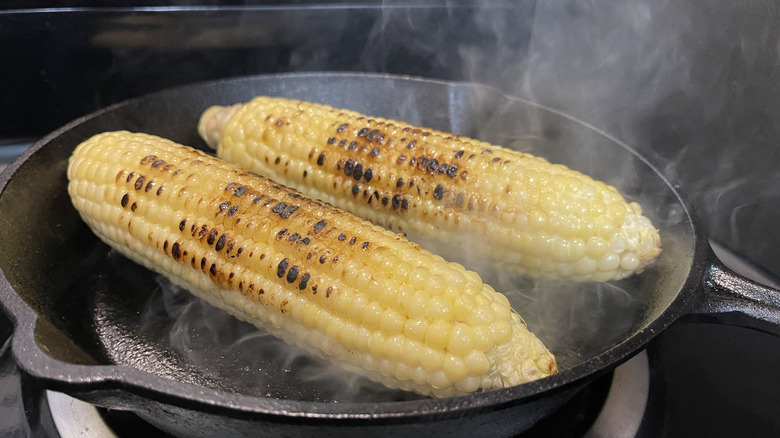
(211, 122)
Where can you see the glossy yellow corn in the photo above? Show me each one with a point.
(360, 295)
(530, 216)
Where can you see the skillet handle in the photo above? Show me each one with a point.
(732, 299)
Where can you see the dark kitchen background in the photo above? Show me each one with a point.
(693, 85)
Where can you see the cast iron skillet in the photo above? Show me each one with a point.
(95, 326)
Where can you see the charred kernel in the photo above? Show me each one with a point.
(355, 189)
(349, 166)
(352, 240)
(343, 142)
(158, 163)
(282, 268)
(321, 159)
(203, 263)
(230, 247)
(323, 258)
(260, 291)
(352, 145)
(357, 172)
(364, 245)
(452, 171)
(306, 241)
(374, 152)
(130, 176)
(459, 154)
(332, 140)
(342, 237)
(213, 269)
(224, 205)
(459, 199)
(149, 186)
(328, 291)
(203, 230)
(292, 274)
(304, 280)
(411, 144)
(277, 160)
(371, 134)
(133, 207)
(319, 226)
(496, 160)
(401, 159)
(240, 191)
(368, 175)
(405, 204)
(380, 138)
(399, 183)
(412, 161)
(139, 183)
(487, 151)
(221, 242)
(438, 192)
(231, 186)
(148, 159)
(125, 200)
(257, 199)
(341, 127)
(443, 167)
(281, 232)
(433, 165)
(385, 200)
(176, 251)
(165, 246)
(212, 237)
(232, 210)
(288, 211)
(363, 132)
(159, 191)
(396, 201)
(279, 207)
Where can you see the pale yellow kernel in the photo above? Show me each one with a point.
(362, 338)
(454, 367)
(463, 307)
(372, 315)
(460, 339)
(596, 247)
(376, 344)
(617, 211)
(374, 290)
(439, 380)
(438, 334)
(585, 265)
(530, 262)
(439, 309)
(347, 335)
(418, 277)
(476, 362)
(386, 368)
(358, 306)
(388, 296)
(483, 314)
(343, 302)
(598, 208)
(435, 284)
(416, 329)
(501, 331)
(431, 359)
(418, 307)
(334, 327)
(402, 371)
(608, 263)
(419, 376)
(391, 322)
(629, 261)
(362, 277)
(394, 348)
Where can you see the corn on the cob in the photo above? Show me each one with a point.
(530, 216)
(358, 294)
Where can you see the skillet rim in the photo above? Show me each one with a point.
(85, 380)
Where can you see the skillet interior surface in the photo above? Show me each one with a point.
(96, 310)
